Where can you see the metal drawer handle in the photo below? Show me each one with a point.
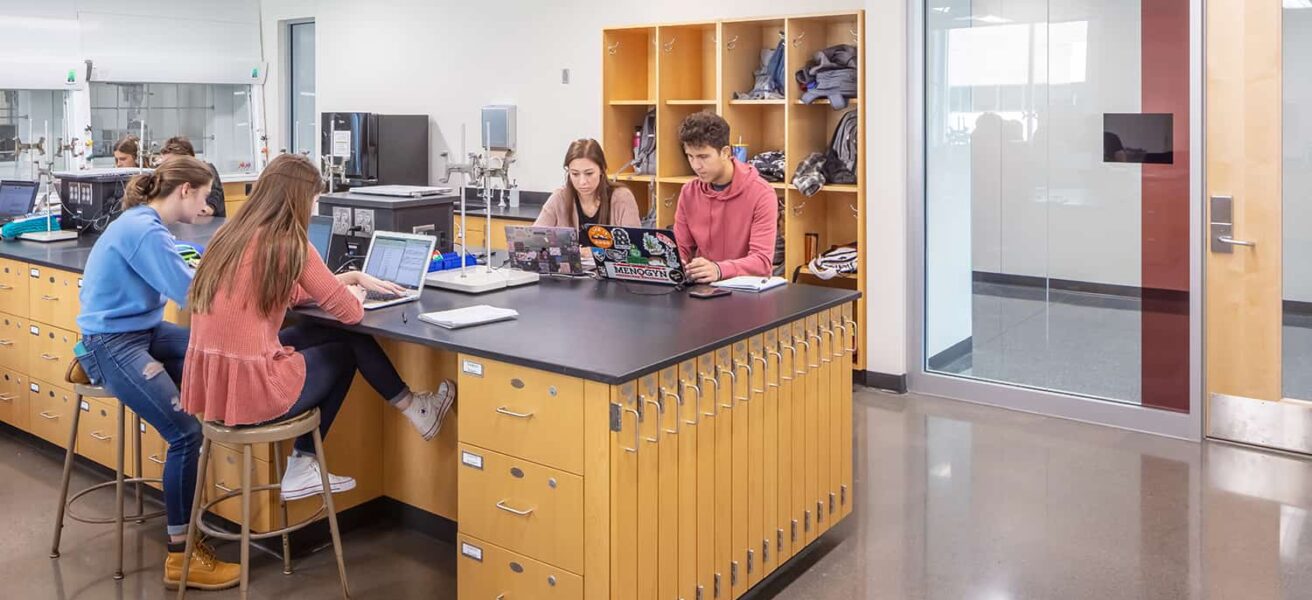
(678, 401)
(49, 298)
(696, 406)
(523, 513)
(7, 397)
(6, 342)
(714, 405)
(5, 286)
(765, 368)
(733, 385)
(47, 415)
(155, 459)
(223, 488)
(509, 413)
(45, 356)
(100, 436)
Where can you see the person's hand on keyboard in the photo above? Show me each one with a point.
(357, 291)
(372, 284)
(372, 296)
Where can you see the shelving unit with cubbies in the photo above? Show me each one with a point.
(683, 68)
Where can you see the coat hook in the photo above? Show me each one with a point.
(783, 37)
(797, 210)
(669, 46)
(856, 37)
(797, 41)
(732, 43)
(613, 48)
(669, 201)
(855, 213)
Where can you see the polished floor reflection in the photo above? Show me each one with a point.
(956, 501)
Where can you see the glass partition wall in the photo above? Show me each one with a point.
(26, 117)
(1057, 213)
(216, 118)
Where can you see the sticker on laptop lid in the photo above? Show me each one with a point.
(471, 551)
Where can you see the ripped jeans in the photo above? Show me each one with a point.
(142, 369)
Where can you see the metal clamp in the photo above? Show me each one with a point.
(678, 401)
(509, 413)
(714, 403)
(733, 377)
(696, 407)
(501, 504)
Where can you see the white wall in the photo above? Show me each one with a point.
(447, 59)
(1298, 156)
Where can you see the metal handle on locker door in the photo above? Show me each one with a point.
(751, 374)
(765, 368)
(825, 358)
(660, 410)
(843, 352)
(793, 349)
(637, 424)
(678, 401)
(805, 344)
(813, 336)
(733, 377)
(714, 404)
(850, 323)
(696, 406)
(778, 370)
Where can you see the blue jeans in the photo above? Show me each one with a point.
(332, 357)
(142, 369)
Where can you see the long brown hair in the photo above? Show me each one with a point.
(168, 177)
(591, 150)
(274, 219)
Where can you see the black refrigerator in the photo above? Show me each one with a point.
(378, 149)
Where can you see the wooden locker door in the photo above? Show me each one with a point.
(850, 333)
(840, 384)
(690, 420)
(785, 376)
(741, 466)
(770, 488)
(668, 486)
(805, 397)
(649, 420)
(709, 402)
(724, 548)
(625, 447)
(822, 362)
(756, 463)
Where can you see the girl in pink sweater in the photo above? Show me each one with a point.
(240, 369)
(588, 197)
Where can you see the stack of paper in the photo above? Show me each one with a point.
(750, 283)
(469, 315)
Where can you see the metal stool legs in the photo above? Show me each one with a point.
(282, 509)
(63, 486)
(332, 512)
(202, 467)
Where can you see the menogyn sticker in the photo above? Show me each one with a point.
(654, 273)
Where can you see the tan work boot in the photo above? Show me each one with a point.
(207, 572)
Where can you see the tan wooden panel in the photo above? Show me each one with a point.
(689, 460)
(419, 473)
(14, 399)
(596, 490)
(14, 295)
(648, 488)
(49, 351)
(522, 412)
(53, 296)
(50, 409)
(668, 501)
(485, 570)
(707, 432)
(1243, 129)
(754, 370)
(724, 548)
(625, 446)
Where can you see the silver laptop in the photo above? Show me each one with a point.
(401, 258)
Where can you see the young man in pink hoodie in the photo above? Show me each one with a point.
(726, 219)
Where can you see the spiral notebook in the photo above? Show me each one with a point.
(468, 316)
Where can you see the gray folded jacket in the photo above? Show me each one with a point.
(838, 85)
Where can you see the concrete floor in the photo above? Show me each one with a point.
(955, 501)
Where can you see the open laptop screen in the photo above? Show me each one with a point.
(400, 260)
(320, 233)
(17, 197)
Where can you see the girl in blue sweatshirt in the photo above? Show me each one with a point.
(133, 270)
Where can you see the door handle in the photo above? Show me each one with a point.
(47, 415)
(714, 404)
(765, 368)
(696, 407)
(818, 341)
(5, 286)
(522, 513)
(778, 369)
(733, 378)
(852, 338)
(1225, 239)
(751, 374)
(637, 424)
(842, 351)
(49, 298)
(678, 401)
(7, 397)
(793, 350)
(643, 400)
(51, 357)
(510, 413)
(100, 436)
(6, 342)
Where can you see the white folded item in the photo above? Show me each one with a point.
(467, 316)
(750, 283)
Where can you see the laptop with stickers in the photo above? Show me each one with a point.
(635, 254)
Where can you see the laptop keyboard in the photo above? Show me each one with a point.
(372, 296)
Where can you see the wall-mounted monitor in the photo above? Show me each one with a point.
(1138, 138)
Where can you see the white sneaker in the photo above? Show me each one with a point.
(302, 479)
(428, 409)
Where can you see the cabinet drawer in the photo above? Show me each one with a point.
(13, 399)
(522, 506)
(49, 350)
(53, 296)
(14, 342)
(13, 287)
(49, 409)
(98, 434)
(522, 412)
(485, 571)
(225, 475)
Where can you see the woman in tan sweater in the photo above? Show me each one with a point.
(241, 369)
(588, 198)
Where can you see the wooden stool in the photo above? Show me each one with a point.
(245, 437)
(66, 504)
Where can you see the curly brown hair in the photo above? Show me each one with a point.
(703, 129)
